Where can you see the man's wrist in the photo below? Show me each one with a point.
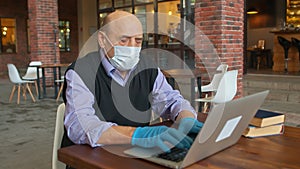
(131, 131)
(184, 114)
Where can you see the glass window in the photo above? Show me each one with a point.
(8, 35)
(104, 4)
(129, 9)
(64, 36)
(101, 18)
(165, 31)
(145, 15)
(122, 3)
(142, 1)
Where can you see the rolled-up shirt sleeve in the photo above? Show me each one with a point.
(168, 103)
(83, 126)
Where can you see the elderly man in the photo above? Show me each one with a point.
(110, 94)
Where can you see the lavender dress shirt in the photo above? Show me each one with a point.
(84, 127)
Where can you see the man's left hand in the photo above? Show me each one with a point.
(190, 125)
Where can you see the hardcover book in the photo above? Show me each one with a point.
(265, 118)
(253, 131)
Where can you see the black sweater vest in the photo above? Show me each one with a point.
(127, 105)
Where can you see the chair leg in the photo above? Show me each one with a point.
(36, 88)
(24, 92)
(286, 60)
(12, 93)
(19, 90)
(258, 62)
(30, 92)
(205, 105)
(59, 92)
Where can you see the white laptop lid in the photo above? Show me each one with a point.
(223, 127)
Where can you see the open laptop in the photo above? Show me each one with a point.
(223, 128)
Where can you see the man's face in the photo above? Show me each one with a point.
(124, 31)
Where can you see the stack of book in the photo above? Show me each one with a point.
(265, 123)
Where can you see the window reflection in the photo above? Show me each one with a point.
(103, 4)
(122, 3)
(64, 36)
(142, 1)
(167, 31)
(8, 35)
(101, 18)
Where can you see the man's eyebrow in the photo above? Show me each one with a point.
(138, 36)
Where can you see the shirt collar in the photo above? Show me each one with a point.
(106, 64)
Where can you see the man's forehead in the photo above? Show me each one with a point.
(129, 24)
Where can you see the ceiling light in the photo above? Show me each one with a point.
(252, 11)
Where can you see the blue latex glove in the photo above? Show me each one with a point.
(157, 136)
(190, 125)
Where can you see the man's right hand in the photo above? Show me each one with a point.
(158, 136)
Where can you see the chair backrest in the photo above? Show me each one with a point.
(58, 134)
(35, 63)
(13, 74)
(227, 87)
(296, 42)
(261, 44)
(286, 44)
(222, 67)
(214, 84)
(31, 71)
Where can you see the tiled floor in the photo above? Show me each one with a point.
(268, 71)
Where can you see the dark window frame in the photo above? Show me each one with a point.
(12, 47)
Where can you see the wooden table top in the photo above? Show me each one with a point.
(281, 151)
(54, 65)
(181, 73)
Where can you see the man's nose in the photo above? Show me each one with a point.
(132, 42)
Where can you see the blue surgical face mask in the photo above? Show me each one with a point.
(125, 57)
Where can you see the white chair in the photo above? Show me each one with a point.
(31, 73)
(213, 85)
(226, 90)
(222, 67)
(58, 134)
(14, 77)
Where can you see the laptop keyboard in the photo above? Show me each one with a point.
(176, 154)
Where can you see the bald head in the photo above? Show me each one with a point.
(114, 16)
(120, 28)
(121, 23)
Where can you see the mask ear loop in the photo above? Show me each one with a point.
(103, 47)
(106, 37)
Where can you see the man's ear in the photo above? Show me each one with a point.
(101, 39)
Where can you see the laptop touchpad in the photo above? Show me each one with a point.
(143, 152)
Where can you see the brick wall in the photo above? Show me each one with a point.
(15, 9)
(42, 16)
(43, 20)
(222, 23)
